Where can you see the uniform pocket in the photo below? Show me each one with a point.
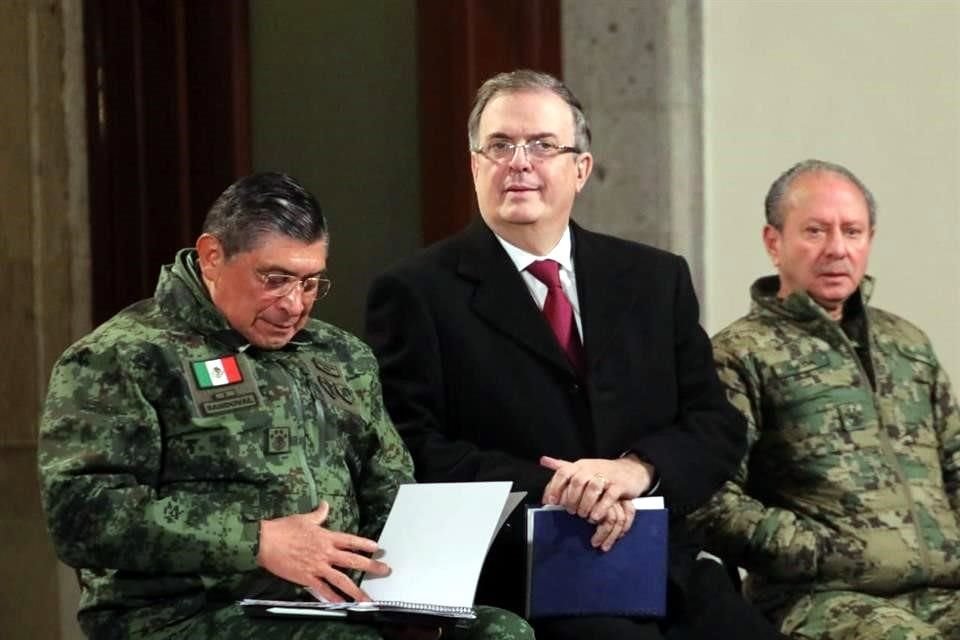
(806, 384)
(801, 365)
(838, 429)
(226, 447)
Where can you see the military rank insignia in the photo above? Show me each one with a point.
(217, 372)
(278, 440)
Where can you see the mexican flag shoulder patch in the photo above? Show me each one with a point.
(217, 372)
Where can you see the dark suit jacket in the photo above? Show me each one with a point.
(479, 388)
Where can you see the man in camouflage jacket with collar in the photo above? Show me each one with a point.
(845, 511)
(215, 442)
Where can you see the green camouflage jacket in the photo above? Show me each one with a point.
(844, 486)
(165, 439)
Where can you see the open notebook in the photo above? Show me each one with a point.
(435, 541)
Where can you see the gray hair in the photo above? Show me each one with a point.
(528, 80)
(260, 204)
(773, 203)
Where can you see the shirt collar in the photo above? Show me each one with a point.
(562, 253)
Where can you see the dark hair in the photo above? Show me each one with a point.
(773, 203)
(527, 80)
(264, 203)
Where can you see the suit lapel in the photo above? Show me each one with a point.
(606, 287)
(501, 297)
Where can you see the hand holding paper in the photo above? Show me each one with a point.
(435, 539)
(297, 548)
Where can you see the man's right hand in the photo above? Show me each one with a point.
(298, 549)
(618, 521)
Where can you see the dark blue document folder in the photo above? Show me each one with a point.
(568, 577)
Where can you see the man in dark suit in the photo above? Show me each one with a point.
(486, 377)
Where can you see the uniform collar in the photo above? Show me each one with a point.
(182, 293)
(798, 305)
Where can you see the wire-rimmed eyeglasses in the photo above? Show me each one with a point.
(280, 285)
(503, 150)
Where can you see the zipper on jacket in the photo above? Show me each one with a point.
(891, 455)
(302, 424)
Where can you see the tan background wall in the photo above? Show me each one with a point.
(43, 271)
(874, 85)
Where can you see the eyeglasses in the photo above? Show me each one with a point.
(503, 150)
(280, 285)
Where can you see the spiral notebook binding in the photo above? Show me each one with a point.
(362, 608)
(422, 606)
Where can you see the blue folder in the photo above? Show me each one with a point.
(568, 577)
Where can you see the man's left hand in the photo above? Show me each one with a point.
(590, 487)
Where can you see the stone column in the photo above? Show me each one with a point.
(636, 66)
(44, 271)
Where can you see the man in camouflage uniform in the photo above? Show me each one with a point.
(215, 442)
(845, 511)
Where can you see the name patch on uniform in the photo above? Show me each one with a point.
(221, 385)
(229, 404)
(217, 372)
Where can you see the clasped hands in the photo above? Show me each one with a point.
(600, 491)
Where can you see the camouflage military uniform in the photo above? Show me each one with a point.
(845, 510)
(165, 439)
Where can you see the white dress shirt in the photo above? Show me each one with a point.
(562, 253)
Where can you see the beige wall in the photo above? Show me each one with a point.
(874, 85)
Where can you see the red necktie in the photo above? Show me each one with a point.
(559, 311)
